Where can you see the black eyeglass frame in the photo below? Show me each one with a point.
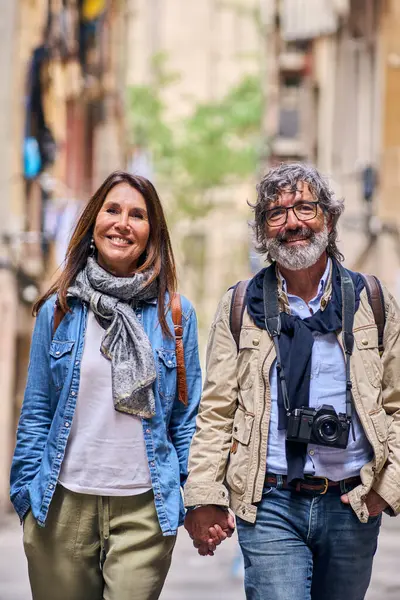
(293, 207)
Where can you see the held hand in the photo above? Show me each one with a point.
(208, 526)
(375, 503)
(218, 534)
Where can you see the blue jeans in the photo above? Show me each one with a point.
(307, 547)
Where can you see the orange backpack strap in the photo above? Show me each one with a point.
(237, 309)
(176, 309)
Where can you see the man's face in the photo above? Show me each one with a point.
(296, 243)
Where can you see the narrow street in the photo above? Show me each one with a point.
(196, 578)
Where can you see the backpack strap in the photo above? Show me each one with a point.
(372, 286)
(237, 309)
(377, 302)
(176, 309)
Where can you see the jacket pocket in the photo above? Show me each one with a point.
(60, 353)
(367, 345)
(166, 373)
(380, 422)
(247, 359)
(239, 457)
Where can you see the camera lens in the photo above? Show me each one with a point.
(327, 429)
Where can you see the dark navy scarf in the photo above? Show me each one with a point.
(295, 343)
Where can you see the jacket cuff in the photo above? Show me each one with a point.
(206, 493)
(389, 490)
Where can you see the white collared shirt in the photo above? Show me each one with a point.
(327, 386)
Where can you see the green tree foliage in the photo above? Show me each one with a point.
(217, 144)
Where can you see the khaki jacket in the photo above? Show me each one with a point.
(227, 461)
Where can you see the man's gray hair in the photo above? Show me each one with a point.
(285, 177)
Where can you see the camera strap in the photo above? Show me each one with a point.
(273, 326)
(348, 309)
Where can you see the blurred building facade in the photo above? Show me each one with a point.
(62, 69)
(210, 46)
(333, 100)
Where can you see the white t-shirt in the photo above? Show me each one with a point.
(105, 453)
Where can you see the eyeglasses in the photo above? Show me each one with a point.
(304, 211)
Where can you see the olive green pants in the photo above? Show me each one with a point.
(97, 548)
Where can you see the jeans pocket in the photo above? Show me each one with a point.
(375, 519)
(267, 491)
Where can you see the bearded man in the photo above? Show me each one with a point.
(299, 424)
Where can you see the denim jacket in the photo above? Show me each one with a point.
(50, 399)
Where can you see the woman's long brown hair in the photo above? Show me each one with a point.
(158, 254)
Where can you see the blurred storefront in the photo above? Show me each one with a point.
(62, 69)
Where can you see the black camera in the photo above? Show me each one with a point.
(321, 426)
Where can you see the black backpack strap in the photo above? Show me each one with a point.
(237, 309)
(377, 302)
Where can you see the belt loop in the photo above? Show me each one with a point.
(343, 487)
(279, 482)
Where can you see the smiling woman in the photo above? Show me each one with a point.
(126, 208)
(103, 437)
(121, 230)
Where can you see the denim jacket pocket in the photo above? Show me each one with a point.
(60, 359)
(166, 373)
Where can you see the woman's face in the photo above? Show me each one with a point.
(121, 230)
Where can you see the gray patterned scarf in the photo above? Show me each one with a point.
(125, 342)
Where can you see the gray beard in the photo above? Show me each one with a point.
(298, 257)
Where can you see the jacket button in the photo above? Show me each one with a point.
(362, 514)
(223, 494)
(235, 428)
(256, 342)
(364, 342)
(243, 511)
